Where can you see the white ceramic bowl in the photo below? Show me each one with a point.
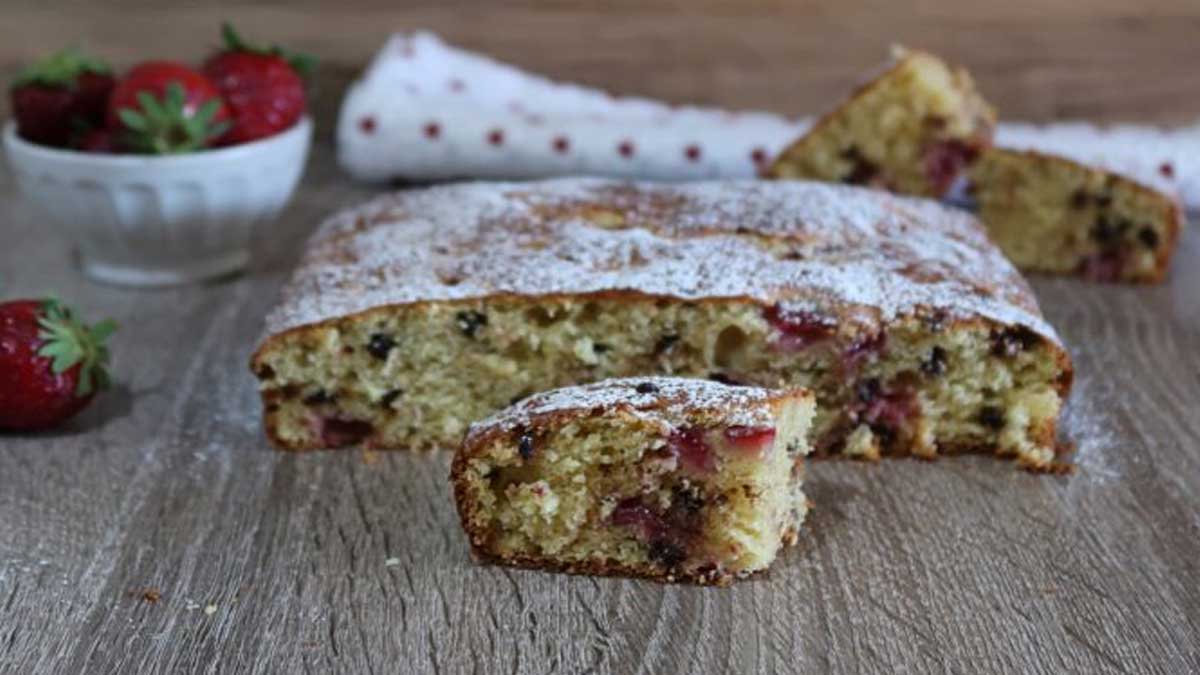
(160, 221)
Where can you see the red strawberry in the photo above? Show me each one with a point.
(100, 141)
(51, 365)
(163, 107)
(264, 87)
(59, 97)
(752, 441)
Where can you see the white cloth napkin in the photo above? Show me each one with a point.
(425, 110)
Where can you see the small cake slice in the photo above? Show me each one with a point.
(911, 130)
(665, 478)
(1053, 214)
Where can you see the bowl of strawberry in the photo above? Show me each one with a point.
(161, 176)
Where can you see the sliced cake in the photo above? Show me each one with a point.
(423, 311)
(1053, 214)
(666, 478)
(911, 130)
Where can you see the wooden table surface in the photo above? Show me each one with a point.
(352, 562)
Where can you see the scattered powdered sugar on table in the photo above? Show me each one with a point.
(1086, 424)
(827, 249)
(664, 398)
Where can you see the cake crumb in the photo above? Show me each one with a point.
(210, 610)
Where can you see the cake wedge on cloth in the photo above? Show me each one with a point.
(911, 130)
(1053, 214)
(420, 312)
(666, 478)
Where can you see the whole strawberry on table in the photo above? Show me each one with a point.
(243, 92)
(51, 363)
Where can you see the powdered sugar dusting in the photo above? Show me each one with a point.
(830, 249)
(668, 399)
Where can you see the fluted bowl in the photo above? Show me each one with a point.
(162, 220)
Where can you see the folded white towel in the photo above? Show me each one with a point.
(426, 111)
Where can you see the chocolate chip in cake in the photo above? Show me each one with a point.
(1148, 237)
(1080, 198)
(665, 343)
(935, 364)
(380, 345)
(862, 170)
(318, 397)
(1013, 340)
(1104, 200)
(666, 553)
(646, 388)
(525, 446)
(390, 397)
(265, 372)
(470, 321)
(992, 417)
(601, 348)
(725, 379)
(1104, 231)
(868, 390)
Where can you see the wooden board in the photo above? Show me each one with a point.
(352, 562)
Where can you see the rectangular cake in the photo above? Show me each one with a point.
(671, 479)
(420, 312)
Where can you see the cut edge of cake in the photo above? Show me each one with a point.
(1053, 214)
(669, 479)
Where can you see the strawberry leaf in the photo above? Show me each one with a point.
(60, 69)
(69, 343)
(164, 125)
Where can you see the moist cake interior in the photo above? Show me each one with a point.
(618, 493)
(418, 375)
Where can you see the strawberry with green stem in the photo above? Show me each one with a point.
(162, 107)
(51, 364)
(263, 85)
(61, 97)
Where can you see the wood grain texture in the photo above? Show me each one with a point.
(1035, 59)
(347, 562)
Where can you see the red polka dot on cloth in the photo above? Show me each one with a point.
(692, 152)
(561, 145)
(432, 130)
(367, 124)
(758, 156)
(625, 149)
(496, 137)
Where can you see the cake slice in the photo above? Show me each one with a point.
(665, 478)
(1053, 214)
(423, 311)
(911, 130)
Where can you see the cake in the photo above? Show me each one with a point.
(665, 478)
(911, 130)
(1053, 214)
(422, 311)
